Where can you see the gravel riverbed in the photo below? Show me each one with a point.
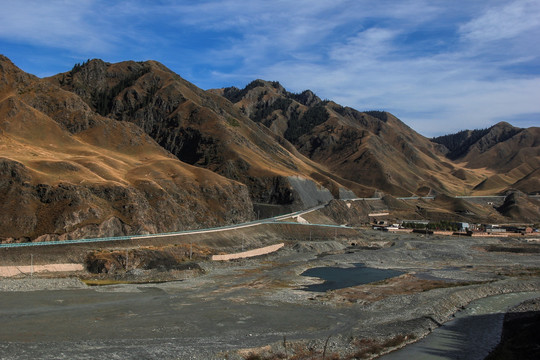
(256, 304)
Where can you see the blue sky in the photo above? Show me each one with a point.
(440, 66)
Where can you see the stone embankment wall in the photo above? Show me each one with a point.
(249, 253)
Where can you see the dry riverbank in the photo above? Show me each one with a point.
(250, 306)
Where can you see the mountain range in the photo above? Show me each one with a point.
(132, 148)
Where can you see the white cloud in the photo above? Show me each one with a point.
(58, 24)
(365, 46)
(462, 87)
(359, 53)
(503, 22)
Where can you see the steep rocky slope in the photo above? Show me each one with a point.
(518, 207)
(129, 148)
(505, 156)
(67, 172)
(203, 129)
(372, 148)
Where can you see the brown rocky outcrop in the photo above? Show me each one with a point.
(508, 157)
(373, 149)
(198, 127)
(67, 172)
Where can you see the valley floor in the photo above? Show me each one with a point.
(258, 306)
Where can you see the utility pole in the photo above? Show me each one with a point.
(190, 250)
(127, 257)
(31, 265)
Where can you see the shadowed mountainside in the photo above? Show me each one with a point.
(371, 148)
(203, 129)
(67, 172)
(131, 148)
(507, 157)
(377, 150)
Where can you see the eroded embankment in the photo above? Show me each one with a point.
(397, 322)
(437, 306)
(455, 299)
(471, 334)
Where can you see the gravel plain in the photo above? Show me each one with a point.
(258, 305)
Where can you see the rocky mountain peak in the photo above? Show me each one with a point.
(306, 97)
(498, 133)
(67, 172)
(132, 144)
(11, 76)
(479, 141)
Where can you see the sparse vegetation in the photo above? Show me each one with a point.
(434, 225)
(234, 94)
(264, 109)
(370, 347)
(102, 99)
(460, 142)
(232, 121)
(364, 348)
(381, 115)
(314, 116)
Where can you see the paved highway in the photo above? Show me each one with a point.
(272, 220)
(223, 228)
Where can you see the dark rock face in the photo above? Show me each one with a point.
(519, 207)
(65, 211)
(198, 127)
(150, 96)
(17, 195)
(373, 149)
(67, 172)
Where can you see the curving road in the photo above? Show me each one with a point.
(272, 220)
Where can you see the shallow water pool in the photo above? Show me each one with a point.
(339, 278)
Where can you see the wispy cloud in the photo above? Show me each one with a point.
(503, 22)
(58, 24)
(464, 85)
(438, 67)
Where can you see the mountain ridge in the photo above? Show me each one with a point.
(347, 141)
(128, 148)
(67, 172)
(509, 156)
(373, 139)
(196, 126)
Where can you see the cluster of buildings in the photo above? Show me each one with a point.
(425, 226)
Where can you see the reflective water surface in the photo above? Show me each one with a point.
(473, 333)
(339, 278)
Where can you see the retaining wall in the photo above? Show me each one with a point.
(8, 271)
(249, 253)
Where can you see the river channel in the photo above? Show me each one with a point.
(471, 335)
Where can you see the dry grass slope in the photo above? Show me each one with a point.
(68, 172)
